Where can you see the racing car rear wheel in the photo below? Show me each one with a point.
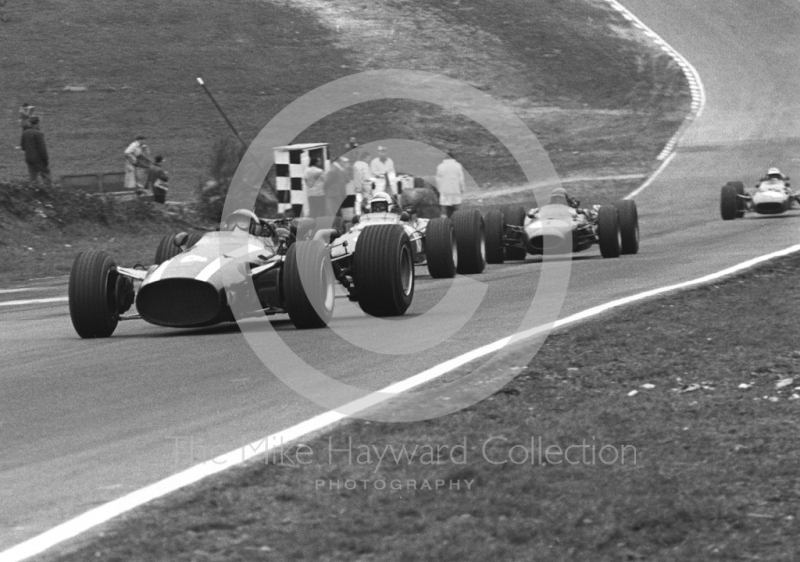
(471, 241)
(383, 270)
(193, 239)
(728, 204)
(166, 249)
(495, 229)
(309, 284)
(628, 226)
(740, 202)
(515, 216)
(96, 294)
(608, 231)
(440, 248)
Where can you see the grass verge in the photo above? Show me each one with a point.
(666, 431)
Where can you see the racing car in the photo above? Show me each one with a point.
(772, 195)
(447, 247)
(559, 228)
(196, 279)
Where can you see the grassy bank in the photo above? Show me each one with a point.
(42, 230)
(682, 423)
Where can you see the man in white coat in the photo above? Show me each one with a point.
(137, 162)
(450, 183)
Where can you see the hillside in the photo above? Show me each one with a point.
(600, 99)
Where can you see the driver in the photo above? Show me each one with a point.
(243, 220)
(559, 197)
(381, 203)
(774, 174)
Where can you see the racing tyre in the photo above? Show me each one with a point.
(193, 239)
(740, 202)
(728, 204)
(93, 302)
(440, 248)
(495, 229)
(515, 216)
(628, 226)
(471, 241)
(309, 284)
(166, 249)
(383, 270)
(608, 231)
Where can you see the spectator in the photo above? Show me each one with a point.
(335, 185)
(156, 178)
(25, 114)
(382, 164)
(351, 144)
(361, 175)
(450, 183)
(36, 158)
(313, 179)
(137, 162)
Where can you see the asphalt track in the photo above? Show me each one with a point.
(84, 422)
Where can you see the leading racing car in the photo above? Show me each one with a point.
(196, 280)
(562, 226)
(772, 195)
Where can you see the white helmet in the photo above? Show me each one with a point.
(243, 220)
(774, 173)
(380, 203)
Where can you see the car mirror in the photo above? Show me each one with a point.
(356, 219)
(404, 216)
(180, 239)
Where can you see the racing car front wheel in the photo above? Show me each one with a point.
(471, 241)
(309, 284)
(628, 226)
(96, 294)
(728, 203)
(608, 231)
(440, 248)
(495, 230)
(740, 201)
(166, 249)
(383, 270)
(515, 216)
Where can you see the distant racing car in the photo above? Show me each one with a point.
(560, 228)
(772, 195)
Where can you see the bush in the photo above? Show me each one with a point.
(226, 155)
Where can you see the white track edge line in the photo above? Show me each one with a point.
(34, 301)
(112, 509)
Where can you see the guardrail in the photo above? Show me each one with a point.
(107, 182)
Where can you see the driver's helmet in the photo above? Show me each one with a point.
(380, 203)
(559, 196)
(774, 174)
(243, 220)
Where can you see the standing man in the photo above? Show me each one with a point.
(137, 157)
(361, 173)
(315, 197)
(25, 114)
(36, 158)
(382, 164)
(156, 176)
(450, 183)
(335, 185)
